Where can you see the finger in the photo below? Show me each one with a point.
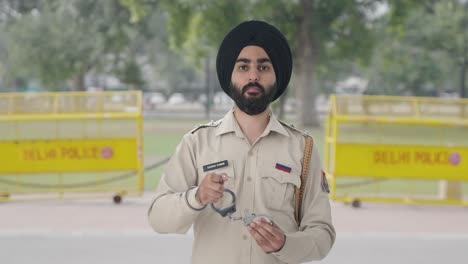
(216, 187)
(224, 177)
(260, 233)
(274, 235)
(261, 228)
(271, 228)
(214, 196)
(210, 199)
(216, 178)
(208, 195)
(264, 219)
(219, 178)
(210, 188)
(256, 235)
(260, 240)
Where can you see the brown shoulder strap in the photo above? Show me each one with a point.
(299, 192)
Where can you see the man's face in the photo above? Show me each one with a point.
(253, 80)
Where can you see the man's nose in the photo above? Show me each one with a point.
(254, 75)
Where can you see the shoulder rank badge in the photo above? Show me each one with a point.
(210, 124)
(304, 133)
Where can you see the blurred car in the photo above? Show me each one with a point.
(176, 98)
(152, 100)
(220, 98)
(449, 94)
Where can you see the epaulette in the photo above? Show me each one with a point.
(304, 133)
(209, 124)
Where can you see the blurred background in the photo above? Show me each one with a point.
(166, 49)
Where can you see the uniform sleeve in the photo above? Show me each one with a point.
(173, 208)
(316, 233)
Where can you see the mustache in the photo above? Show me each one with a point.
(249, 85)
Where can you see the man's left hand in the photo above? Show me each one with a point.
(267, 235)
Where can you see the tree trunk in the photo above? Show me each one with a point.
(279, 107)
(464, 65)
(306, 58)
(79, 82)
(208, 90)
(17, 83)
(463, 69)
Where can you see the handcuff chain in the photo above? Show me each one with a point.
(235, 218)
(228, 211)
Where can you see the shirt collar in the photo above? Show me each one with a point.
(275, 125)
(229, 124)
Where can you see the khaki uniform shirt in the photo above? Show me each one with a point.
(259, 186)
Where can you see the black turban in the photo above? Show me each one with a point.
(255, 33)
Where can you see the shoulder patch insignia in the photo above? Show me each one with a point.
(210, 124)
(306, 133)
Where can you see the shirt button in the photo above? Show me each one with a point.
(244, 237)
(249, 179)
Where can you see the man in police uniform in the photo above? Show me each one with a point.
(253, 154)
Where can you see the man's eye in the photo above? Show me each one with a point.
(243, 67)
(264, 68)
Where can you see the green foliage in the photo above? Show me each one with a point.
(420, 45)
(138, 8)
(196, 27)
(333, 30)
(342, 27)
(442, 29)
(418, 54)
(131, 74)
(11, 9)
(169, 68)
(63, 40)
(53, 44)
(399, 67)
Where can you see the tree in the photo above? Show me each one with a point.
(9, 11)
(63, 40)
(448, 33)
(139, 9)
(168, 71)
(319, 31)
(418, 50)
(400, 67)
(326, 31)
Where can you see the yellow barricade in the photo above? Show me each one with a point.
(397, 149)
(70, 144)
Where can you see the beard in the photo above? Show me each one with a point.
(252, 105)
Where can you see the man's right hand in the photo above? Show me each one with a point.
(211, 188)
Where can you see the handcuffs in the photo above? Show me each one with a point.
(231, 209)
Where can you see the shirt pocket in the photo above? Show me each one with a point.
(279, 188)
(210, 166)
